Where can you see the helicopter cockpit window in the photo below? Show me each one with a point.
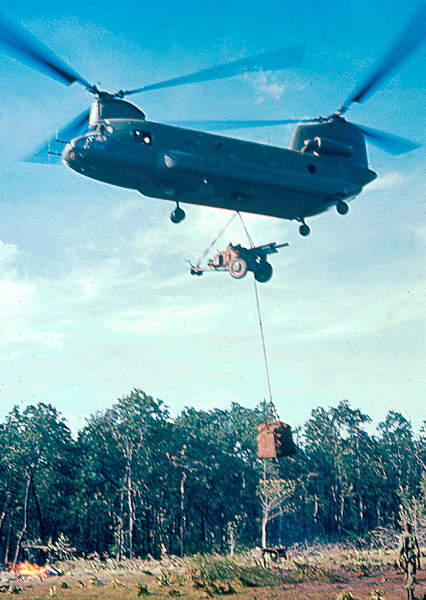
(94, 114)
(142, 137)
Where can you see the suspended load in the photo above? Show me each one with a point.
(238, 260)
(275, 440)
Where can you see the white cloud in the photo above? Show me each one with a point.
(21, 319)
(390, 180)
(270, 85)
(179, 318)
(8, 252)
(95, 294)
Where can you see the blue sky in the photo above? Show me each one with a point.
(95, 292)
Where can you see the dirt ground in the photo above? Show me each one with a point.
(375, 583)
(385, 583)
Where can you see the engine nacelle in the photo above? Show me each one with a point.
(325, 147)
(334, 137)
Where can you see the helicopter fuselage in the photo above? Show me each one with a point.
(325, 164)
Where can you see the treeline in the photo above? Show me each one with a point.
(136, 482)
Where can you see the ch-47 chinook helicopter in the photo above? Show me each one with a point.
(326, 164)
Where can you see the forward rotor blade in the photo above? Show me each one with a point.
(28, 49)
(232, 124)
(393, 144)
(76, 128)
(268, 61)
(406, 43)
(51, 151)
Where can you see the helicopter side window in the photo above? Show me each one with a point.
(142, 137)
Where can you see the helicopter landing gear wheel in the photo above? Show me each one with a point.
(342, 208)
(263, 272)
(237, 268)
(177, 215)
(304, 230)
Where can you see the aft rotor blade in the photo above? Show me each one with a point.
(219, 125)
(268, 61)
(406, 43)
(28, 49)
(393, 144)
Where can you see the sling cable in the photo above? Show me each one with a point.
(265, 357)
(275, 439)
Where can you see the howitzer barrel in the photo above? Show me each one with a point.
(269, 248)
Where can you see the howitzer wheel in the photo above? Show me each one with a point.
(263, 272)
(237, 268)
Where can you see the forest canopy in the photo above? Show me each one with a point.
(136, 482)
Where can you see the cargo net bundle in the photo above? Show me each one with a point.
(275, 440)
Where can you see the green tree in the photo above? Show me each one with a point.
(117, 448)
(338, 449)
(274, 493)
(398, 457)
(40, 476)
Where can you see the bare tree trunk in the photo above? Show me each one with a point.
(359, 490)
(361, 514)
(342, 511)
(131, 513)
(265, 512)
(9, 537)
(232, 528)
(38, 508)
(3, 514)
(264, 523)
(119, 554)
(24, 525)
(315, 516)
(182, 515)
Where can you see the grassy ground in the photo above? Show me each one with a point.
(314, 574)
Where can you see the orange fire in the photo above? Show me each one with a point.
(27, 569)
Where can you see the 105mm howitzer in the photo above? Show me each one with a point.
(238, 260)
